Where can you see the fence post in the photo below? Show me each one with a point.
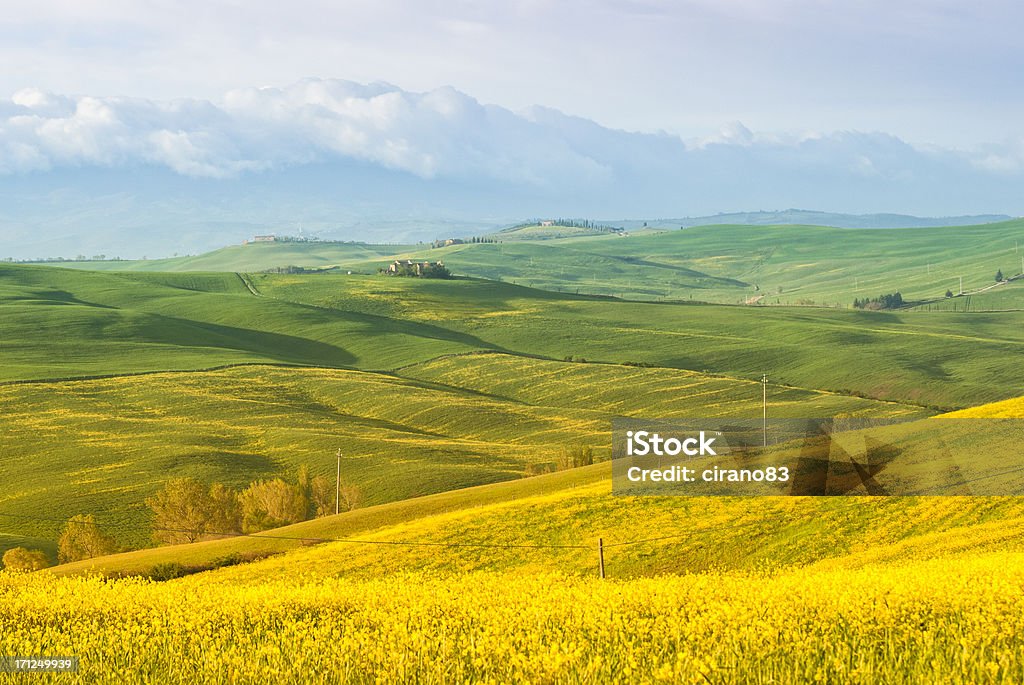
(600, 556)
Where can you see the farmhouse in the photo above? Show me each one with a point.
(424, 269)
(263, 239)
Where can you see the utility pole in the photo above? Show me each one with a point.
(337, 486)
(764, 408)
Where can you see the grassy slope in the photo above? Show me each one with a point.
(65, 323)
(103, 446)
(576, 507)
(60, 323)
(943, 359)
(713, 263)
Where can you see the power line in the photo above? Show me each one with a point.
(399, 543)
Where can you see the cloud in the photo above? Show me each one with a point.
(447, 135)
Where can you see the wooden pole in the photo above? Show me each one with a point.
(600, 556)
(337, 487)
(764, 408)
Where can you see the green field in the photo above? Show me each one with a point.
(60, 323)
(102, 446)
(447, 397)
(731, 264)
(114, 381)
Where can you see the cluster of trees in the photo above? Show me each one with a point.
(887, 301)
(293, 270)
(572, 223)
(187, 510)
(570, 457)
(460, 241)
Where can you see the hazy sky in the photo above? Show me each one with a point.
(943, 72)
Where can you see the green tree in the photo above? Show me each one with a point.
(575, 456)
(949, 293)
(271, 504)
(180, 511)
(83, 539)
(187, 511)
(999, 276)
(23, 559)
(225, 511)
(351, 497)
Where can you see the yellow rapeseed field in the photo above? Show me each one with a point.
(952, 620)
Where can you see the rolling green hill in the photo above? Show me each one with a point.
(61, 323)
(723, 263)
(102, 446)
(308, 344)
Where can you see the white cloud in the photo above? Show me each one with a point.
(445, 134)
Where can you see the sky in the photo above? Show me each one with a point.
(460, 110)
(942, 72)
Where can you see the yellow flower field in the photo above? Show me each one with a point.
(951, 620)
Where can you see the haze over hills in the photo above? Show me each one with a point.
(809, 217)
(133, 177)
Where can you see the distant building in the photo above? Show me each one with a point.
(263, 238)
(447, 241)
(407, 267)
(547, 222)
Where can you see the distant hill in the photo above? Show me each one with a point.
(813, 218)
(549, 231)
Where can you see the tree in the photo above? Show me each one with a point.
(575, 456)
(949, 293)
(322, 496)
(271, 504)
(999, 276)
(180, 511)
(83, 539)
(22, 559)
(351, 497)
(225, 511)
(186, 511)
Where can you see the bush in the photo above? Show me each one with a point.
(539, 469)
(168, 571)
(23, 560)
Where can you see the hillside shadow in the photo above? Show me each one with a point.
(171, 330)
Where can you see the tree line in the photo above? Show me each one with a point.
(887, 301)
(187, 510)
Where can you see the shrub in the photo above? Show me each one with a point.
(168, 571)
(23, 559)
